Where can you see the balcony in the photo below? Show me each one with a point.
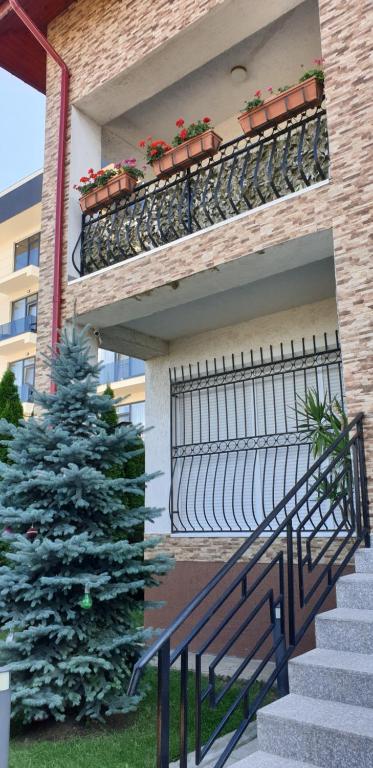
(17, 327)
(244, 175)
(121, 370)
(20, 282)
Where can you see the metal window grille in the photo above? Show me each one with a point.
(237, 445)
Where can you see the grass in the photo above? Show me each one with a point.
(132, 745)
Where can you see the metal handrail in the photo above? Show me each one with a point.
(339, 471)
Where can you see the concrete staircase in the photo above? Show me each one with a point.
(327, 719)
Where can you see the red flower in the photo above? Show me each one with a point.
(183, 134)
(100, 173)
(153, 152)
(206, 120)
(258, 94)
(142, 143)
(84, 179)
(180, 122)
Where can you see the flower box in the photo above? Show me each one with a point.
(304, 95)
(120, 185)
(186, 154)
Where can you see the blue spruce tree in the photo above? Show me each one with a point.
(72, 578)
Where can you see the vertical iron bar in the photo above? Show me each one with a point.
(364, 483)
(189, 201)
(184, 708)
(163, 709)
(357, 489)
(278, 637)
(290, 572)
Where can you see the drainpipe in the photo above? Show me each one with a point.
(57, 270)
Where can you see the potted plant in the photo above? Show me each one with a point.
(190, 145)
(101, 187)
(287, 102)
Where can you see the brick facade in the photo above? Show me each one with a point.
(344, 205)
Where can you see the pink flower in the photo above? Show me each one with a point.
(258, 94)
(270, 89)
(117, 166)
(318, 62)
(130, 161)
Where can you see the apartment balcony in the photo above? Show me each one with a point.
(119, 371)
(20, 282)
(16, 327)
(246, 173)
(18, 338)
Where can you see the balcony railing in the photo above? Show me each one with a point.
(26, 393)
(245, 174)
(15, 327)
(121, 369)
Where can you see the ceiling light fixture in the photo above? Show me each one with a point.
(238, 74)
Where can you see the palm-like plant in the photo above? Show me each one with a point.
(324, 420)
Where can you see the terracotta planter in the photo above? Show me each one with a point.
(123, 184)
(186, 154)
(291, 102)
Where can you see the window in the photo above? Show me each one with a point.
(133, 413)
(26, 311)
(237, 448)
(117, 367)
(24, 372)
(27, 252)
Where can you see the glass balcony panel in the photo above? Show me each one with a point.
(20, 325)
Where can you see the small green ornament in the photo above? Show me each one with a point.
(86, 601)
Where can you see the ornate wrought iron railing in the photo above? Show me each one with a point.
(237, 441)
(268, 602)
(245, 174)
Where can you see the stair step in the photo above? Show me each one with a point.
(333, 675)
(345, 629)
(355, 591)
(364, 561)
(265, 760)
(324, 733)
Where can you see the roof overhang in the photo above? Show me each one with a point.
(20, 54)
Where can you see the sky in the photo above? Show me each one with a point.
(22, 113)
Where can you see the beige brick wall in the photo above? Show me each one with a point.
(84, 37)
(220, 548)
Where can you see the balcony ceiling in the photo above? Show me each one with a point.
(20, 54)
(273, 56)
(282, 277)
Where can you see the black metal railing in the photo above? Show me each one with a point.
(268, 602)
(237, 442)
(245, 174)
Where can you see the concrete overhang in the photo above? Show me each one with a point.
(221, 28)
(298, 272)
(20, 346)
(20, 283)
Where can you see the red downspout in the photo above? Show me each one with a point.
(42, 40)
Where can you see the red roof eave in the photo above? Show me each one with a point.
(20, 53)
